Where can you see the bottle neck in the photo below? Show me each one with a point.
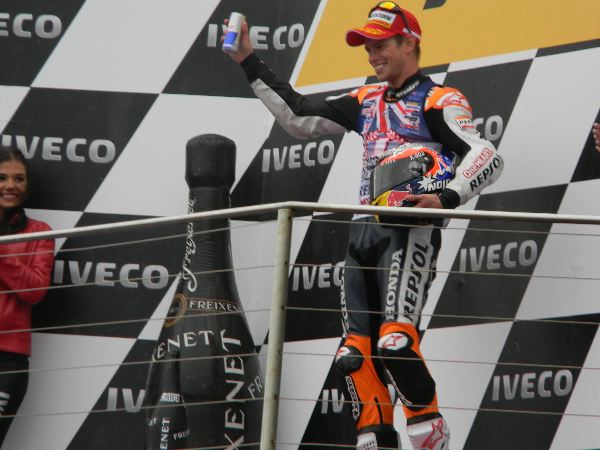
(207, 260)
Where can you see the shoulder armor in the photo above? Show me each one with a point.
(362, 92)
(440, 97)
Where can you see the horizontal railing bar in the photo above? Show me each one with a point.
(444, 213)
(308, 207)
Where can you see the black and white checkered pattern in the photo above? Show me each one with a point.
(102, 96)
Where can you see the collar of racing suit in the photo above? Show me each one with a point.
(394, 94)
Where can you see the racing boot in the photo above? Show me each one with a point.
(428, 433)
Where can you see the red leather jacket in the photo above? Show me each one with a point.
(27, 266)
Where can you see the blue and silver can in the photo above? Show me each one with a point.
(234, 30)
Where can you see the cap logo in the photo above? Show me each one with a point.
(383, 17)
(373, 31)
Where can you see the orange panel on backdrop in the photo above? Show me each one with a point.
(455, 31)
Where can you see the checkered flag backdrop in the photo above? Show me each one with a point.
(102, 95)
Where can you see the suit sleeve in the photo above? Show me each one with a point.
(449, 117)
(301, 116)
(30, 274)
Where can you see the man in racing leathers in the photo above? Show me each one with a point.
(409, 107)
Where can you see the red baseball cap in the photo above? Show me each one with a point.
(386, 19)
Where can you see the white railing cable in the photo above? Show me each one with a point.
(306, 207)
(282, 266)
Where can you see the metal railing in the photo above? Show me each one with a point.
(285, 214)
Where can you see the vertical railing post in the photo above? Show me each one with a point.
(268, 434)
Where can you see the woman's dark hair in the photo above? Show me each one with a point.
(12, 154)
(14, 220)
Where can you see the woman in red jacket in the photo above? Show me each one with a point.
(25, 271)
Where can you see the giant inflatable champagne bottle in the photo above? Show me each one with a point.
(204, 386)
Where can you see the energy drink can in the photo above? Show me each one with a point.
(234, 30)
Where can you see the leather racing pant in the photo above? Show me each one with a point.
(388, 271)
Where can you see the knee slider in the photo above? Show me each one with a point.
(348, 359)
(407, 369)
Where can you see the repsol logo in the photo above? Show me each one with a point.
(498, 256)
(297, 156)
(264, 38)
(485, 173)
(419, 258)
(110, 274)
(493, 127)
(321, 277)
(26, 25)
(531, 385)
(78, 150)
